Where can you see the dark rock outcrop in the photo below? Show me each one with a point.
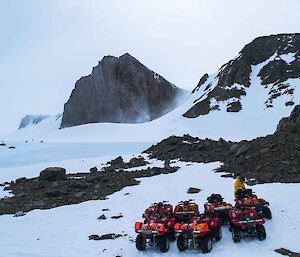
(47, 193)
(233, 78)
(120, 90)
(274, 158)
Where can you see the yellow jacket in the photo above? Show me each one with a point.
(238, 184)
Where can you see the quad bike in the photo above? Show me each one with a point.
(185, 210)
(248, 199)
(198, 233)
(157, 228)
(216, 207)
(245, 222)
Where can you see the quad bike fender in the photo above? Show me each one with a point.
(214, 222)
(137, 226)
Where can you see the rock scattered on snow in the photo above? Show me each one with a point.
(286, 252)
(193, 190)
(102, 217)
(117, 217)
(104, 237)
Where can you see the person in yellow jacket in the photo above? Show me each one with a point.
(239, 184)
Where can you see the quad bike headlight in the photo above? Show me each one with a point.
(202, 227)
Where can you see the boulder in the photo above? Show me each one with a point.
(53, 174)
(193, 190)
(117, 163)
(94, 169)
(136, 162)
(102, 217)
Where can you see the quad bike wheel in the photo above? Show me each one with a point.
(236, 234)
(261, 232)
(267, 213)
(218, 233)
(140, 243)
(182, 243)
(164, 243)
(206, 244)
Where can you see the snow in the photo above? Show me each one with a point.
(288, 58)
(35, 152)
(64, 231)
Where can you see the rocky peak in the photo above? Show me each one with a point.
(270, 61)
(120, 90)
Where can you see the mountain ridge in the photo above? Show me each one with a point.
(279, 58)
(120, 90)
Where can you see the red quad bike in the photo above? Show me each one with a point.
(216, 207)
(244, 222)
(248, 199)
(195, 229)
(185, 210)
(157, 228)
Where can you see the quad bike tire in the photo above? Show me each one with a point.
(236, 234)
(140, 243)
(164, 243)
(267, 213)
(206, 244)
(218, 233)
(182, 243)
(261, 232)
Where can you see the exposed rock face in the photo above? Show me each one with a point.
(274, 158)
(120, 90)
(277, 58)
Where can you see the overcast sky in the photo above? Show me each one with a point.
(47, 45)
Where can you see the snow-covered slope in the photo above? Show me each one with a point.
(64, 231)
